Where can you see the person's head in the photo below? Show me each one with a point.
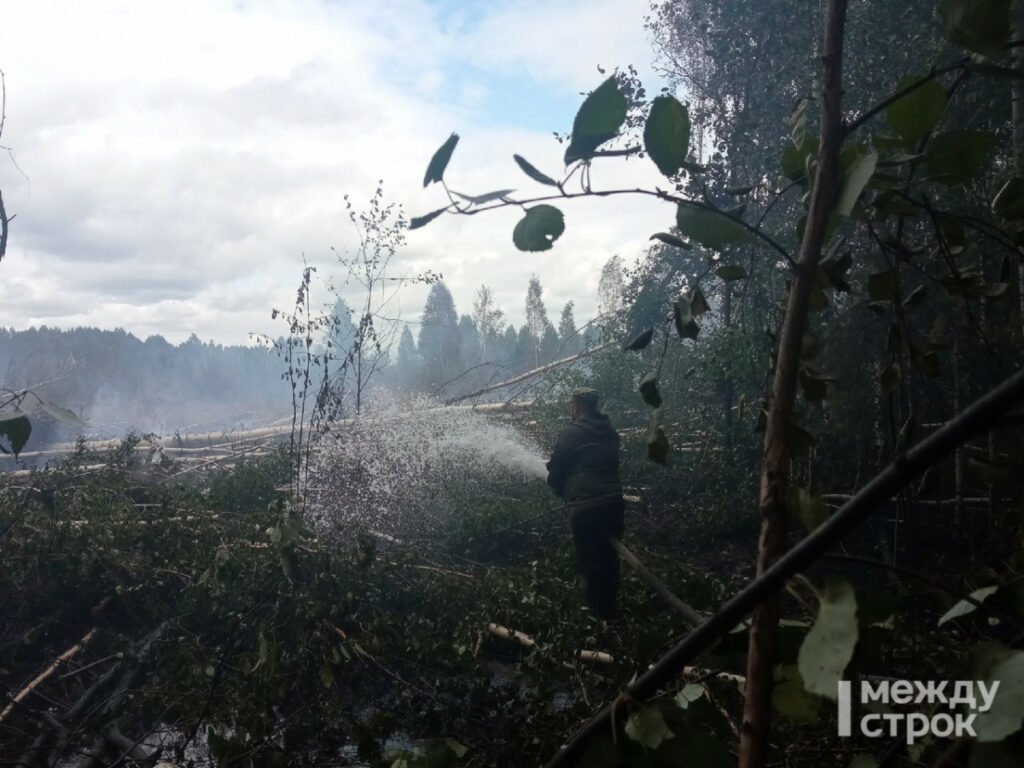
(584, 402)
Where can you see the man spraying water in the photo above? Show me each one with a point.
(584, 471)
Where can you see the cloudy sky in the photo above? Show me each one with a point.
(173, 162)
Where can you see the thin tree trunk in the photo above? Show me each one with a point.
(728, 388)
(776, 458)
(958, 458)
(1017, 119)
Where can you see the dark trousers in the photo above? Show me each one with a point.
(592, 524)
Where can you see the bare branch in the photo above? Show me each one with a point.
(3, 227)
(42, 676)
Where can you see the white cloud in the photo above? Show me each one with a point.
(182, 157)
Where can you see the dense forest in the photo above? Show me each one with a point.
(815, 370)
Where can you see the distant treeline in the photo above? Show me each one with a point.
(118, 383)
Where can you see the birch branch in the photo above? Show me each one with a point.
(42, 676)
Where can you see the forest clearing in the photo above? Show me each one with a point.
(763, 507)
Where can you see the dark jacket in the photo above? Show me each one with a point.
(585, 462)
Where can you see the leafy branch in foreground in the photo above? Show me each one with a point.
(666, 140)
(15, 425)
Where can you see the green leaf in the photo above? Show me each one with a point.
(729, 272)
(686, 326)
(672, 240)
(958, 156)
(914, 115)
(326, 673)
(953, 229)
(789, 697)
(435, 170)
(263, 654)
(539, 228)
(532, 172)
(807, 506)
(883, 286)
(819, 298)
(598, 120)
(855, 177)
(698, 304)
(829, 645)
(964, 607)
(421, 221)
(737, 191)
(794, 158)
(640, 342)
(761, 422)
(61, 414)
(982, 26)
(835, 269)
(649, 390)
(798, 123)
(648, 727)
(815, 389)
(12, 415)
(799, 440)
(487, 197)
(1006, 715)
(657, 445)
(16, 427)
(667, 134)
(928, 362)
(863, 761)
(1009, 200)
(458, 748)
(690, 693)
(810, 346)
(710, 228)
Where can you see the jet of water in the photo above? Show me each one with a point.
(403, 470)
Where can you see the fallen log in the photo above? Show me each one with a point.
(528, 375)
(510, 634)
(523, 639)
(686, 611)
